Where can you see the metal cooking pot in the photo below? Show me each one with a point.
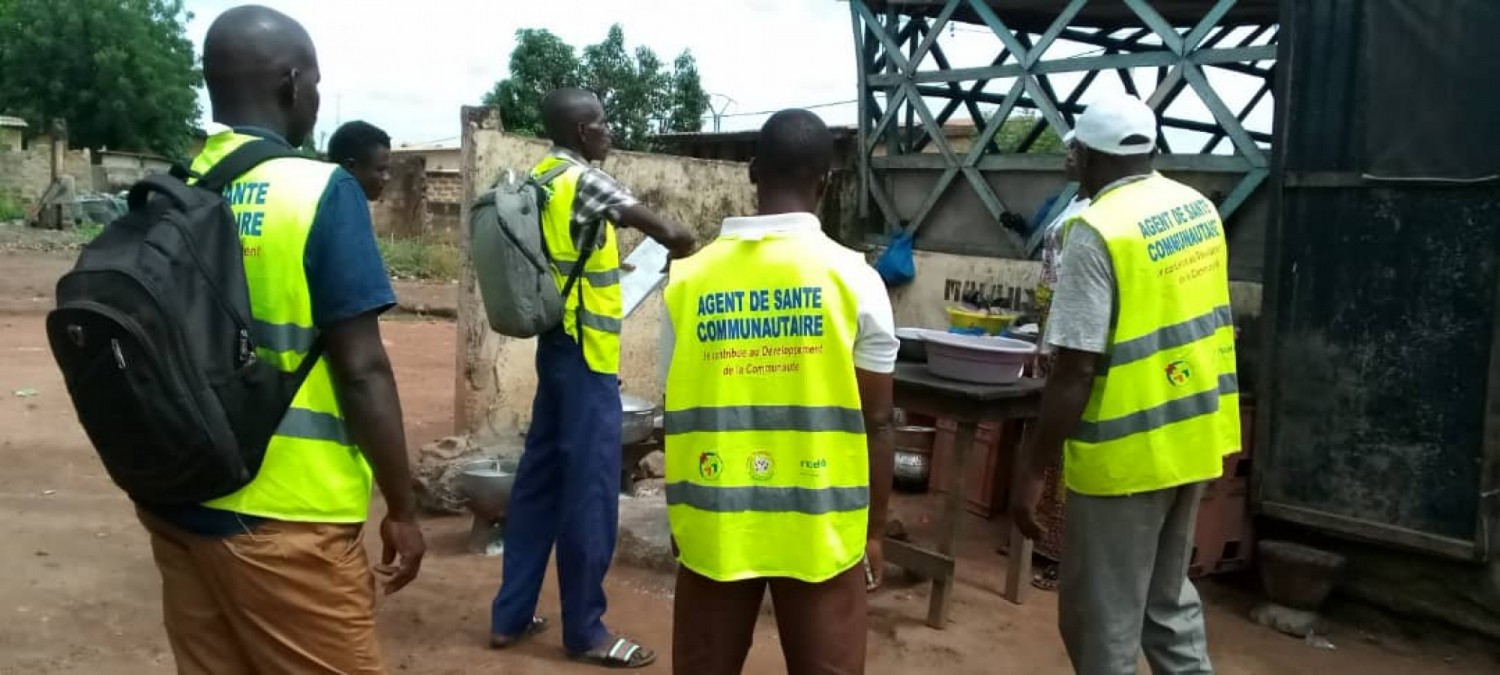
(487, 484)
(912, 469)
(638, 419)
(916, 439)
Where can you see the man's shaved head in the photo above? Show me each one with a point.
(261, 69)
(574, 119)
(793, 156)
(794, 148)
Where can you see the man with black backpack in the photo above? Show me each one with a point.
(247, 403)
(568, 484)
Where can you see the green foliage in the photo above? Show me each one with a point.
(641, 95)
(10, 207)
(418, 259)
(540, 63)
(1018, 127)
(688, 101)
(87, 231)
(121, 73)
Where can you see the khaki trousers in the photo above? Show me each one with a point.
(283, 598)
(823, 626)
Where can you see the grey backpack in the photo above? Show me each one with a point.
(510, 256)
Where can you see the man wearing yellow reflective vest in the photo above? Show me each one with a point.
(778, 421)
(568, 484)
(1142, 401)
(273, 578)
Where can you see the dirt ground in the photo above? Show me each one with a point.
(81, 594)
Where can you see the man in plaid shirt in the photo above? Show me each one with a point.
(567, 487)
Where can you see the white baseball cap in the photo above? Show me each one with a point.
(1117, 125)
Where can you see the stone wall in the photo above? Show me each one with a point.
(496, 376)
(401, 210)
(26, 174)
(419, 203)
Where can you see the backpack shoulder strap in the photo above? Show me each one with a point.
(590, 235)
(241, 161)
(551, 174)
(542, 181)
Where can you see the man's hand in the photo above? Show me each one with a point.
(874, 564)
(401, 557)
(1023, 501)
(679, 240)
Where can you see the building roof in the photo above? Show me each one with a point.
(736, 146)
(732, 136)
(426, 147)
(1037, 15)
(12, 122)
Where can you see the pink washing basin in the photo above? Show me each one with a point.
(977, 359)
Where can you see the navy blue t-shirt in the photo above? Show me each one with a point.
(346, 278)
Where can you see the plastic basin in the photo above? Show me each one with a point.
(965, 321)
(913, 345)
(977, 359)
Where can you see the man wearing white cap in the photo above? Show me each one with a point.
(1142, 401)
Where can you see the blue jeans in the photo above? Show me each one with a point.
(567, 492)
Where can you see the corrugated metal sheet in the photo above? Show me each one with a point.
(1381, 312)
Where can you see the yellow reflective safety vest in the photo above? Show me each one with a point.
(767, 467)
(312, 470)
(594, 311)
(1165, 407)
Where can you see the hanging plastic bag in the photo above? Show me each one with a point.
(896, 265)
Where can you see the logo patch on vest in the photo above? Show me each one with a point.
(1178, 373)
(761, 466)
(710, 467)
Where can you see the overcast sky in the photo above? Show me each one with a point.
(408, 65)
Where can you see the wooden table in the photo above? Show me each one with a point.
(968, 405)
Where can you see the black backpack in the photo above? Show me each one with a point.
(152, 334)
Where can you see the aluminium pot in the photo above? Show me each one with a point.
(638, 419)
(912, 470)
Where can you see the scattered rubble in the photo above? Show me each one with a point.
(653, 465)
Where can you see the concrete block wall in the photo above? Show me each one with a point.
(445, 187)
(26, 174)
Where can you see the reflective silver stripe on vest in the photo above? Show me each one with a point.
(598, 322)
(595, 279)
(1175, 335)
(283, 337)
(765, 418)
(312, 425)
(811, 501)
(1170, 412)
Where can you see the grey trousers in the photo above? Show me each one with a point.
(1123, 585)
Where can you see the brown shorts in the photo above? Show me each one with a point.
(822, 626)
(284, 598)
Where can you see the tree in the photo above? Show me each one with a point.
(640, 96)
(1018, 127)
(540, 63)
(121, 73)
(689, 103)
